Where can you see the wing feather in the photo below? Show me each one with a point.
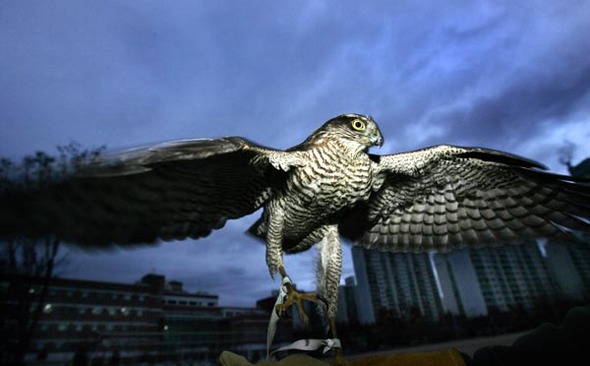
(176, 190)
(455, 197)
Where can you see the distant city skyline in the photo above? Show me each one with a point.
(472, 282)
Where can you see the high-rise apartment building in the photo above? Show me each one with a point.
(470, 282)
(475, 281)
(570, 262)
(347, 302)
(460, 291)
(401, 283)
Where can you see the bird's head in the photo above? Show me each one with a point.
(358, 129)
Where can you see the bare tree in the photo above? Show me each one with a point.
(566, 153)
(26, 265)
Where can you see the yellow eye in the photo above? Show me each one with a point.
(358, 125)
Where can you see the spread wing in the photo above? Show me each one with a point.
(447, 197)
(175, 190)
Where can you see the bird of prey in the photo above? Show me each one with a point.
(327, 187)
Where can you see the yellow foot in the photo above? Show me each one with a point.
(294, 297)
(297, 298)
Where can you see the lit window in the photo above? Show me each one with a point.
(48, 308)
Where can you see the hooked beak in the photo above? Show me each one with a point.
(377, 139)
(374, 133)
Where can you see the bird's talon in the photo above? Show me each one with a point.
(302, 314)
(297, 298)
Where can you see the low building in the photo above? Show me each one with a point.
(151, 321)
(88, 320)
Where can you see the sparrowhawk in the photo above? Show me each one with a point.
(327, 187)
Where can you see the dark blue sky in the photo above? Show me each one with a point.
(513, 76)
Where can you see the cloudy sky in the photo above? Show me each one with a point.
(508, 75)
